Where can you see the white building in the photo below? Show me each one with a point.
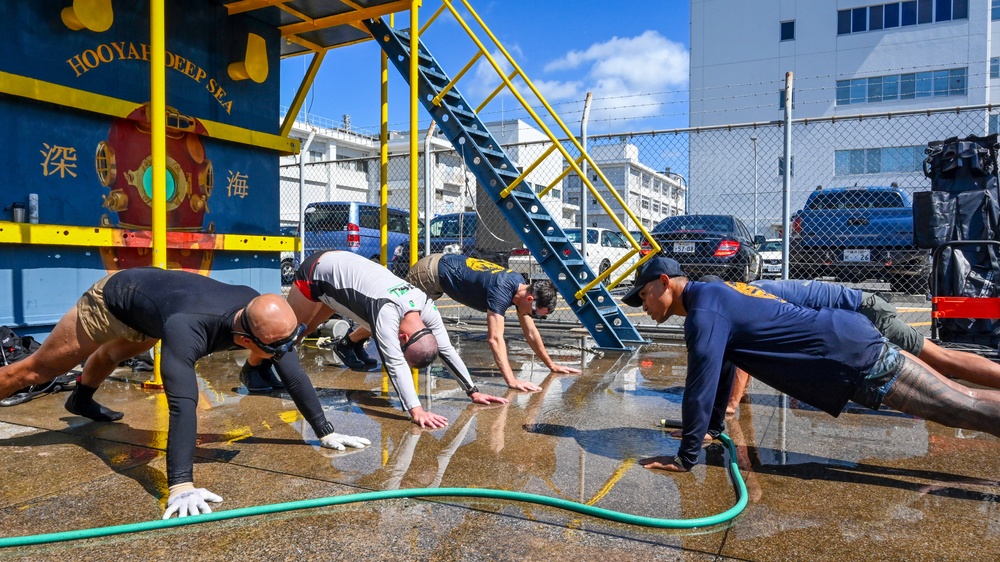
(337, 165)
(848, 57)
(343, 165)
(651, 195)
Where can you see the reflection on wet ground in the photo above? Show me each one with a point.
(868, 485)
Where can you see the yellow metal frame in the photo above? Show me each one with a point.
(573, 163)
(102, 236)
(40, 90)
(158, 139)
(300, 94)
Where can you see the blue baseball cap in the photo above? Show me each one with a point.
(651, 271)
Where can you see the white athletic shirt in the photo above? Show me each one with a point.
(369, 294)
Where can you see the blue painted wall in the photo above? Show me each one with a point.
(50, 150)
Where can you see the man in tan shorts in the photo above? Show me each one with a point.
(126, 313)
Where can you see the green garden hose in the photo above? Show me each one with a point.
(600, 513)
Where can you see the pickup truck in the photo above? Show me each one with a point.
(857, 234)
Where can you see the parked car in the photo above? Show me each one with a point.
(604, 248)
(288, 258)
(856, 234)
(770, 257)
(455, 233)
(710, 245)
(350, 226)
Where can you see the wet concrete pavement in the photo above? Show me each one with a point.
(865, 486)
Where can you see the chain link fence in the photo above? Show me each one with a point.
(852, 181)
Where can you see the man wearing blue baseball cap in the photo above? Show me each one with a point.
(823, 357)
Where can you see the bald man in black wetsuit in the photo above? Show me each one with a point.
(127, 312)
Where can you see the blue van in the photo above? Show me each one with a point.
(351, 226)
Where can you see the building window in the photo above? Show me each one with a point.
(788, 30)
(875, 89)
(995, 9)
(942, 10)
(844, 21)
(897, 159)
(925, 12)
(911, 12)
(890, 17)
(994, 124)
(315, 156)
(875, 17)
(859, 20)
(960, 9)
(995, 67)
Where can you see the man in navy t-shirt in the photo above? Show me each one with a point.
(490, 288)
(819, 294)
(823, 357)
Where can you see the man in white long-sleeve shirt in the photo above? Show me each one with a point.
(400, 316)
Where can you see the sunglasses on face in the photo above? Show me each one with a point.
(416, 336)
(276, 349)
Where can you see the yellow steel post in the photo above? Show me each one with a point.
(158, 123)
(384, 162)
(414, 146)
(303, 91)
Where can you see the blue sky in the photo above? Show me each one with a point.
(632, 54)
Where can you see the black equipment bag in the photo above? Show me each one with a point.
(963, 204)
(14, 348)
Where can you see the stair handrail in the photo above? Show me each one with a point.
(572, 163)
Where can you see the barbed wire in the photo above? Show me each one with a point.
(680, 99)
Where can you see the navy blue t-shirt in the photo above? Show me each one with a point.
(813, 294)
(478, 284)
(819, 356)
(193, 316)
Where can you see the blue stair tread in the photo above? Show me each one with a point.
(477, 132)
(435, 73)
(540, 217)
(462, 113)
(609, 310)
(523, 194)
(492, 152)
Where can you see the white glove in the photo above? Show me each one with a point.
(186, 500)
(338, 441)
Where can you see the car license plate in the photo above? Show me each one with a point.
(683, 247)
(857, 255)
(772, 268)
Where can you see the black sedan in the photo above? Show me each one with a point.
(710, 245)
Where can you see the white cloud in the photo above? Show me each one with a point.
(649, 58)
(630, 77)
(485, 78)
(554, 90)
